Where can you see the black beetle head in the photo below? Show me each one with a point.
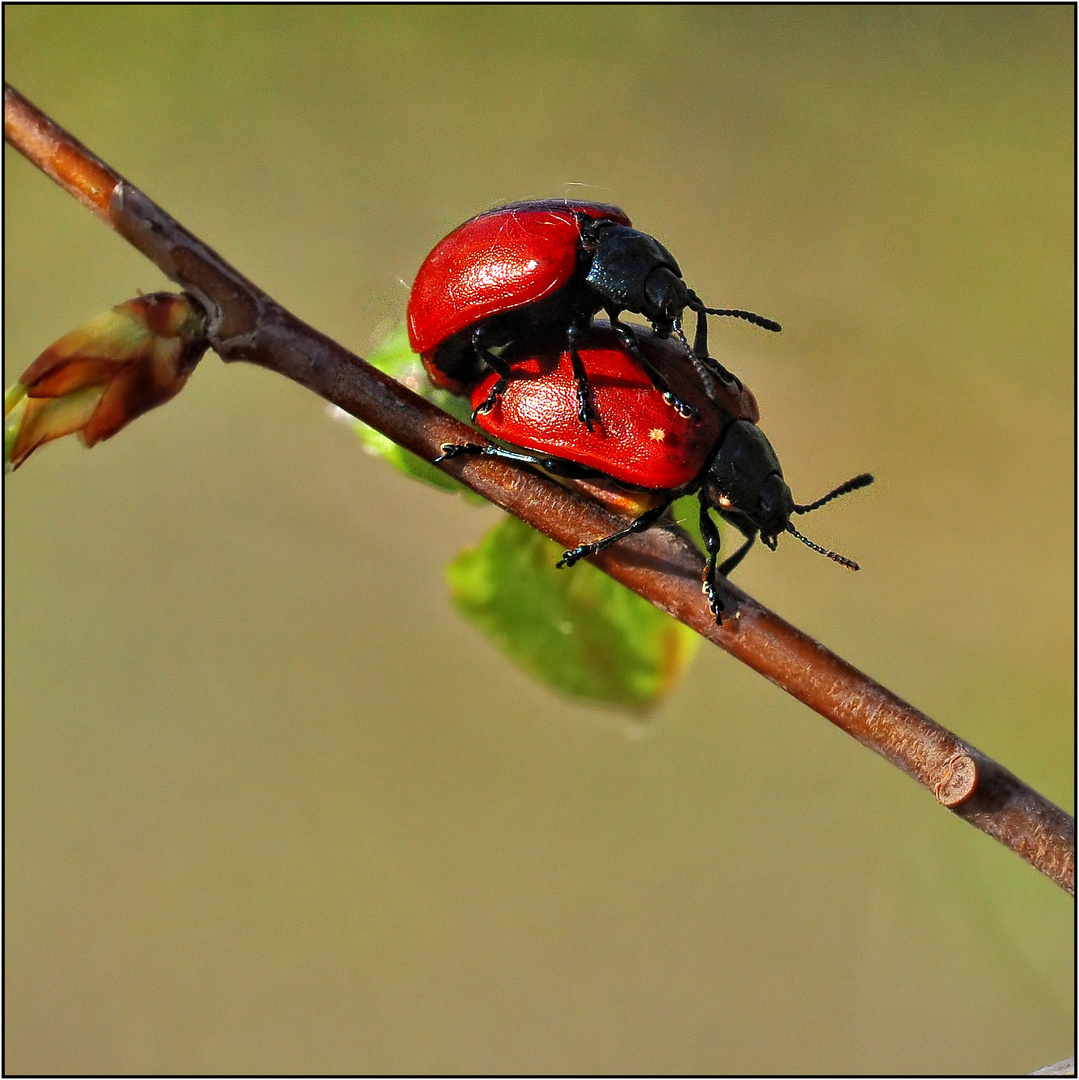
(632, 271)
(745, 483)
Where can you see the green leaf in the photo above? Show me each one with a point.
(394, 358)
(686, 511)
(575, 629)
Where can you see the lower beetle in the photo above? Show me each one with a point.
(641, 444)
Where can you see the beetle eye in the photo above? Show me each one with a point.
(774, 505)
(666, 292)
(766, 504)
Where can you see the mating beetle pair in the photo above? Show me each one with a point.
(613, 403)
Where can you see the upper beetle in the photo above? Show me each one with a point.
(638, 442)
(535, 274)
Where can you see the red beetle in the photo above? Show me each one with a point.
(639, 443)
(536, 273)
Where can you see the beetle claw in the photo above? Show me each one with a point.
(681, 407)
(452, 450)
(714, 601)
(728, 376)
(570, 557)
(488, 403)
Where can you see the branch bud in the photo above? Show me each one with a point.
(100, 377)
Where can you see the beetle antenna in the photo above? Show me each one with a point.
(681, 335)
(850, 564)
(853, 484)
(696, 304)
(749, 316)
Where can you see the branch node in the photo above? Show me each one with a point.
(958, 779)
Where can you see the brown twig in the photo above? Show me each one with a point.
(246, 324)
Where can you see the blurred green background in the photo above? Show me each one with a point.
(272, 806)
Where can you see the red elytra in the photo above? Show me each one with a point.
(638, 439)
(496, 262)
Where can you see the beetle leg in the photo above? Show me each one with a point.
(706, 371)
(700, 351)
(644, 522)
(710, 535)
(724, 374)
(726, 567)
(700, 347)
(700, 339)
(659, 381)
(452, 450)
(558, 466)
(495, 363)
(586, 413)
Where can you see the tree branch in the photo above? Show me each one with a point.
(663, 567)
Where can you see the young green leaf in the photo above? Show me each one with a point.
(577, 630)
(393, 357)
